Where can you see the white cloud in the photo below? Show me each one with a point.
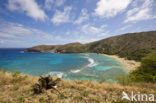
(103, 26)
(17, 35)
(83, 16)
(61, 17)
(110, 8)
(30, 7)
(89, 29)
(93, 30)
(53, 3)
(1, 41)
(142, 12)
(103, 34)
(84, 39)
(60, 2)
(67, 33)
(125, 27)
(48, 4)
(11, 30)
(86, 33)
(92, 33)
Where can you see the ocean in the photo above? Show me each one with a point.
(83, 66)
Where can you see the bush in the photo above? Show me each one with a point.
(147, 71)
(134, 54)
(122, 79)
(17, 77)
(3, 70)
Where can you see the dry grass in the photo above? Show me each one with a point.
(72, 91)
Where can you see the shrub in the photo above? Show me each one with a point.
(147, 71)
(123, 79)
(21, 99)
(3, 70)
(134, 54)
(17, 77)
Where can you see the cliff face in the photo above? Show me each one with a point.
(131, 45)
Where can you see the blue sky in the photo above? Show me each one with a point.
(26, 23)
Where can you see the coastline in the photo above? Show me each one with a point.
(129, 65)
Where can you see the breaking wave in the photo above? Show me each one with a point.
(58, 74)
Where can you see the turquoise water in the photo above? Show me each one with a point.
(71, 66)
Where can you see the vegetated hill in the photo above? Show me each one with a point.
(132, 46)
(43, 48)
(67, 48)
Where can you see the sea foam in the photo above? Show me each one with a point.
(21, 51)
(58, 74)
(92, 63)
(75, 71)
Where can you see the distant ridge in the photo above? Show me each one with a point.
(131, 46)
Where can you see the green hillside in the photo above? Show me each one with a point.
(131, 46)
(147, 71)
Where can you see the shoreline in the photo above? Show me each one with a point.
(129, 65)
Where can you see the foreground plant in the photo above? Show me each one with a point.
(147, 71)
(45, 83)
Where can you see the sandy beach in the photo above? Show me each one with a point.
(130, 65)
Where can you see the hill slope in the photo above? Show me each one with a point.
(132, 46)
(56, 48)
(18, 89)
